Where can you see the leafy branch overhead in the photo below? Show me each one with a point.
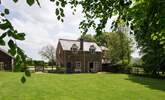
(9, 32)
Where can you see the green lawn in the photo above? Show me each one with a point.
(80, 87)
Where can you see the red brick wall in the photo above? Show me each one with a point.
(84, 57)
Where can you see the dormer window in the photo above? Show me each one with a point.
(92, 49)
(74, 48)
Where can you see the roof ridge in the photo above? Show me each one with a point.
(69, 40)
(76, 40)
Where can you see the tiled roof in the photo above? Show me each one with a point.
(67, 44)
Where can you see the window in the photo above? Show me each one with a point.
(74, 48)
(97, 65)
(78, 66)
(92, 49)
(1, 65)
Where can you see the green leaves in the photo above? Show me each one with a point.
(12, 51)
(30, 2)
(27, 73)
(11, 44)
(60, 14)
(3, 35)
(58, 17)
(5, 25)
(15, 35)
(57, 3)
(20, 36)
(57, 11)
(6, 11)
(12, 47)
(15, 1)
(52, 0)
(2, 42)
(9, 32)
(159, 36)
(23, 79)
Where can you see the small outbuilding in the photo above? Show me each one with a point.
(6, 61)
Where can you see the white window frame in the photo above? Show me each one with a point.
(2, 65)
(92, 49)
(74, 48)
(78, 66)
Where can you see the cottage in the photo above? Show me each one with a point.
(79, 56)
(6, 61)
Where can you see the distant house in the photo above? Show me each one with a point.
(6, 61)
(79, 56)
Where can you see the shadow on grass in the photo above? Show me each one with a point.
(152, 83)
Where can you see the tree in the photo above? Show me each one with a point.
(147, 23)
(88, 38)
(119, 49)
(144, 17)
(49, 53)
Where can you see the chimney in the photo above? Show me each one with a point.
(81, 44)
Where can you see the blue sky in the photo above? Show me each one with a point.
(42, 27)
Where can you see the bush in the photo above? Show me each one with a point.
(116, 68)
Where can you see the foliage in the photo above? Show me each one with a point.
(30, 62)
(39, 63)
(119, 46)
(88, 38)
(147, 25)
(11, 35)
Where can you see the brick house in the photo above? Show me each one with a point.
(78, 56)
(6, 61)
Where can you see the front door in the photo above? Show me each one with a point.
(68, 67)
(91, 67)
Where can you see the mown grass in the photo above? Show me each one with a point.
(80, 87)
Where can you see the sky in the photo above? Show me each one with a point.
(42, 27)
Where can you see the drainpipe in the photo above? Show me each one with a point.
(12, 64)
(84, 60)
(65, 62)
